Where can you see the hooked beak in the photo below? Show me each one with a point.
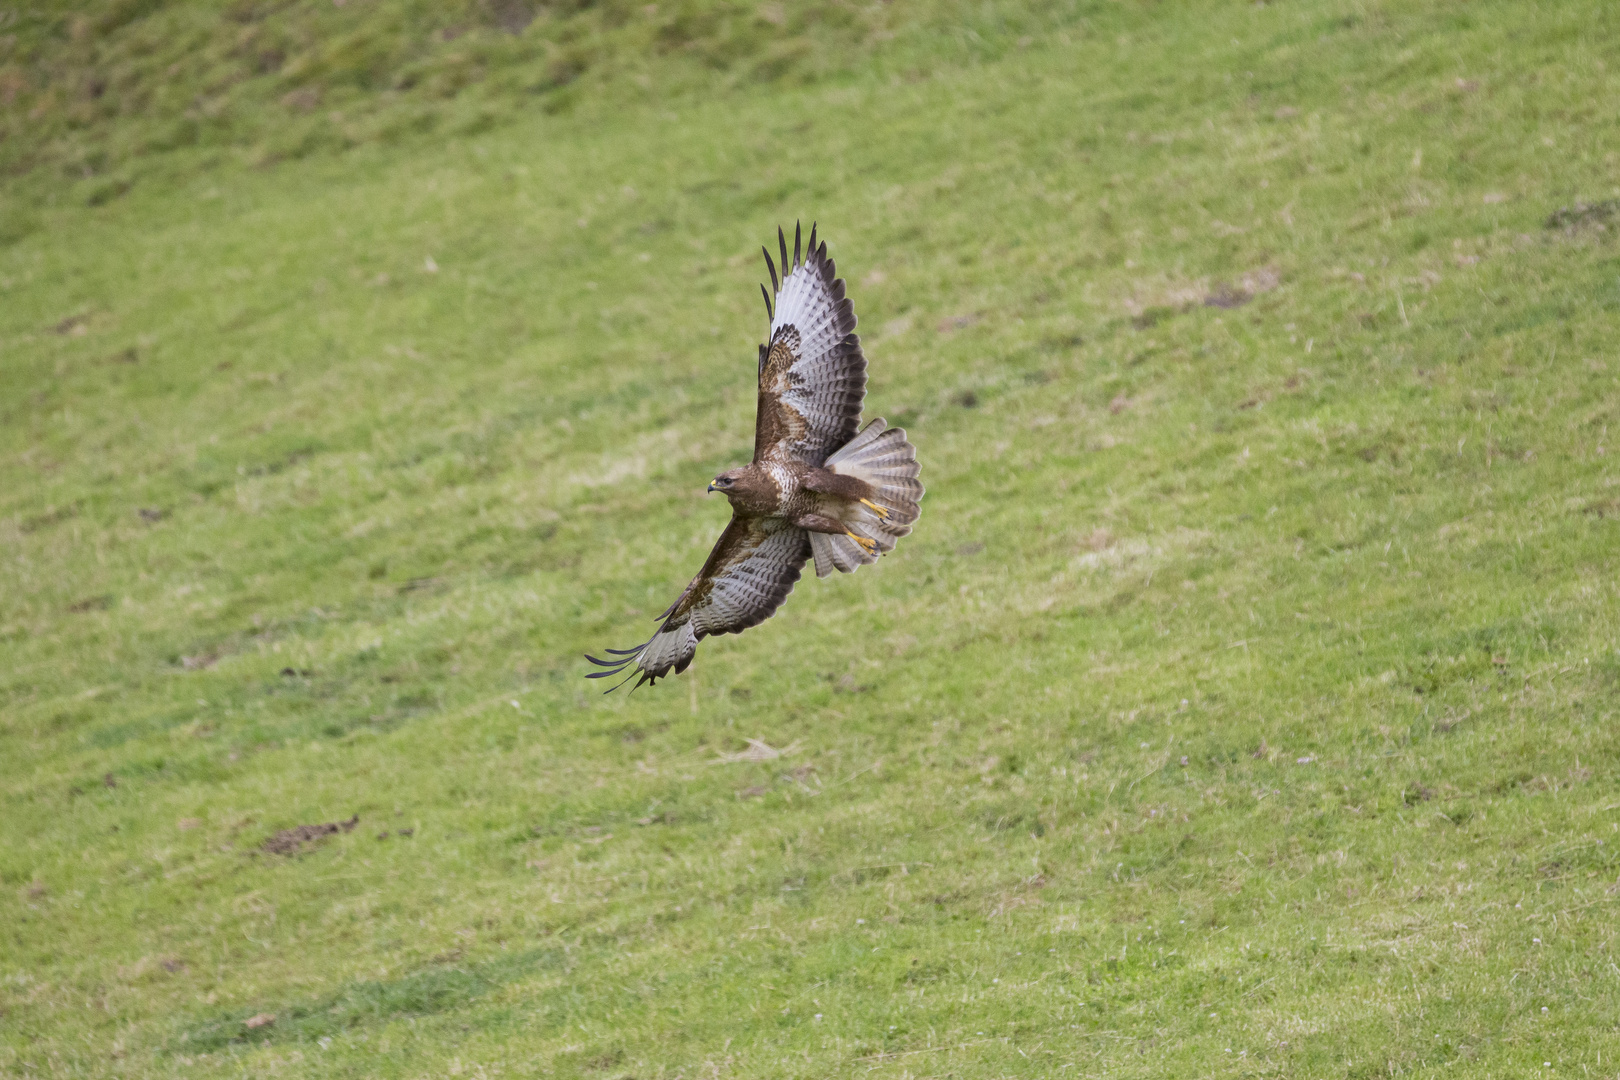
(711, 486)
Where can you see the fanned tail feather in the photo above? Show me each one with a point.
(836, 552)
(883, 458)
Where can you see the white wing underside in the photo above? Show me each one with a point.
(826, 381)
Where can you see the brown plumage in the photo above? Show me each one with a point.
(820, 485)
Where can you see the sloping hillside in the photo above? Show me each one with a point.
(1243, 705)
(97, 96)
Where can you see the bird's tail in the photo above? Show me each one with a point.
(880, 456)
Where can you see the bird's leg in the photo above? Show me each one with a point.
(820, 523)
(823, 524)
(880, 511)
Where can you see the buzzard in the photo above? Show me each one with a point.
(819, 485)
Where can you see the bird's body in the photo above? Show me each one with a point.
(816, 487)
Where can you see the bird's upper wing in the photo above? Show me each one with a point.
(812, 374)
(748, 574)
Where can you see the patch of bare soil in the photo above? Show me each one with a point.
(1593, 216)
(291, 841)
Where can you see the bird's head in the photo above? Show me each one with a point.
(726, 482)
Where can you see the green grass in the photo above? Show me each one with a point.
(97, 96)
(1244, 704)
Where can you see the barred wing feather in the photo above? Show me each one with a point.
(812, 374)
(747, 576)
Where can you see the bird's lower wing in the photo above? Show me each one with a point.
(747, 576)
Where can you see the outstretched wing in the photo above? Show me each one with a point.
(812, 374)
(748, 574)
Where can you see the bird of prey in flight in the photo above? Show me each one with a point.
(819, 485)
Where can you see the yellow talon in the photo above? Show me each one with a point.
(868, 546)
(881, 511)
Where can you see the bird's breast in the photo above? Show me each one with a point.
(787, 485)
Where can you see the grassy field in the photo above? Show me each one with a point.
(1245, 703)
